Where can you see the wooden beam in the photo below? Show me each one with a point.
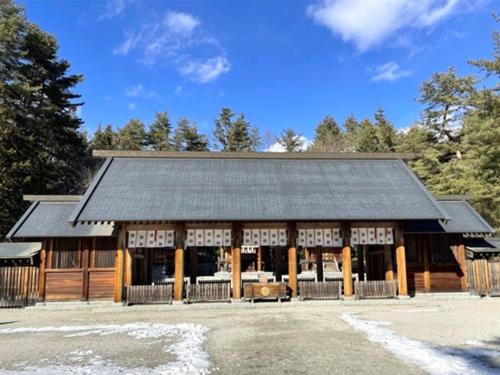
(389, 271)
(319, 263)
(253, 155)
(51, 198)
(179, 263)
(85, 269)
(425, 241)
(401, 262)
(127, 273)
(292, 259)
(259, 259)
(236, 261)
(121, 244)
(346, 260)
(41, 273)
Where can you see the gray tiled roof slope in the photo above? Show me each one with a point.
(135, 189)
(464, 219)
(17, 250)
(50, 219)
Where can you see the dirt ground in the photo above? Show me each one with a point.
(294, 338)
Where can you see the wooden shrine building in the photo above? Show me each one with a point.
(233, 221)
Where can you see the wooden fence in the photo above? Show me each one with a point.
(148, 294)
(320, 290)
(209, 292)
(376, 289)
(18, 286)
(484, 277)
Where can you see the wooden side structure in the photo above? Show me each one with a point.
(18, 286)
(376, 289)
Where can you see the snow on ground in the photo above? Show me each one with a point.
(185, 341)
(431, 358)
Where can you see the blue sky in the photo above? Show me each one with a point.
(282, 63)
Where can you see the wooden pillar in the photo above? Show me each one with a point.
(193, 264)
(278, 254)
(292, 259)
(346, 260)
(259, 259)
(401, 261)
(179, 263)
(319, 263)
(462, 261)
(127, 275)
(85, 269)
(389, 271)
(41, 273)
(236, 261)
(121, 244)
(425, 242)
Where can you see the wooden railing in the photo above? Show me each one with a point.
(376, 289)
(320, 290)
(18, 286)
(149, 294)
(216, 291)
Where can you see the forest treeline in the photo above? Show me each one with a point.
(43, 149)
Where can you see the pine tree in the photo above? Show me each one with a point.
(235, 135)
(291, 141)
(160, 132)
(352, 129)
(366, 137)
(104, 139)
(187, 138)
(132, 136)
(42, 147)
(328, 136)
(385, 132)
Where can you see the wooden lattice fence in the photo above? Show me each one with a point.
(320, 290)
(149, 294)
(484, 277)
(18, 286)
(219, 291)
(495, 278)
(376, 289)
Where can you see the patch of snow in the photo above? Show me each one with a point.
(475, 343)
(431, 358)
(187, 347)
(417, 310)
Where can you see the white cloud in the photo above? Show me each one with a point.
(177, 40)
(389, 71)
(181, 23)
(131, 106)
(277, 147)
(139, 91)
(204, 71)
(113, 8)
(367, 23)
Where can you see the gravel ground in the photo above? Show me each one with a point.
(292, 338)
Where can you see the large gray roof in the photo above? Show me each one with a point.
(19, 250)
(464, 219)
(216, 189)
(51, 219)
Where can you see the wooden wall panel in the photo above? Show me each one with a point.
(415, 278)
(445, 278)
(101, 284)
(63, 286)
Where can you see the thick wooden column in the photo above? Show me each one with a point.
(425, 242)
(292, 259)
(85, 268)
(193, 264)
(462, 262)
(236, 261)
(127, 275)
(319, 263)
(389, 272)
(120, 248)
(259, 259)
(401, 262)
(41, 273)
(179, 263)
(346, 260)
